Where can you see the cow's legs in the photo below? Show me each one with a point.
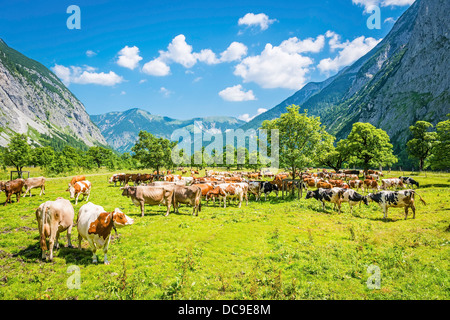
(142, 209)
(406, 212)
(76, 199)
(94, 250)
(87, 199)
(51, 242)
(69, 235)
(413, 208)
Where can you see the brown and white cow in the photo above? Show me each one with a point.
(31, 183)
(371, 184)
(76, 179)
(13, 187)
(152, 195)
(191, 195)
(80, 187)
(53, 218)
(94, 224)
(356, 184)
(391, 183)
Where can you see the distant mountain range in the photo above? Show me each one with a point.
(35, 102)
(121, 129)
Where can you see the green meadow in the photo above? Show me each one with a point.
(274, 249)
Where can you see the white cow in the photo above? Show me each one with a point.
(54, 217)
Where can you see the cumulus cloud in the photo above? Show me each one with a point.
(85, 75)
(351, 51)
(278, 66)
(129, 57)
(295, 45)
(261, 20)
(179, 51)
(246, 117)
(156, 67)
(236, 93)
(166, 92)
(235, 51)
(367, 4)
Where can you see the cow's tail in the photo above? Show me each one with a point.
(42, 227)
(423, 201)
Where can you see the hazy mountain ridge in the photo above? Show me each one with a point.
(121, 129)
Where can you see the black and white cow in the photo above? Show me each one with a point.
(268, 187)
(396, 199)
(409, 181)
(333, 195)
(353, 198)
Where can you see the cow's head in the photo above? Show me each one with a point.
(309, 194)
(71, 190)
(365, 200)
(121, 219)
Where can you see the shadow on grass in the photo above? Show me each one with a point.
(434, 185)
(33, 254)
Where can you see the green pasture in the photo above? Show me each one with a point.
(278, 249)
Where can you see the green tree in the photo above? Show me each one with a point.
(102, 156)
(153, 152)
(369, 147)
(440, 158)
(335, 156)
(18, 152)
(421, 145)
(301, 138)
(42, 156)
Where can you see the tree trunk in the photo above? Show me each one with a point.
(421, 161)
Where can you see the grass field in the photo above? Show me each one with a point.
(279, 249)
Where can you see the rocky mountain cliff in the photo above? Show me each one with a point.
(35, 102)
(403, 79)
(121, 129)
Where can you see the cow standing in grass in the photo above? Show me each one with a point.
(53, 218)
(410, 182)
(152, 195)
(333, 195)
(396, 199)
(80, 187)
(191, 195)
(94, 224)
(32, 183)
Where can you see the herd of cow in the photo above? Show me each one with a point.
(95, 224)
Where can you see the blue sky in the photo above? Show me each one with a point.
(185, 59)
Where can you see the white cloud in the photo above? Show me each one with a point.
(123, 93)
(246, 117)
(275, 67)
(367, 4)
(180, 52)
(351, 51)
(165, 92)
(129, 57)
(235, 51)
(142, 81)
(260, 19)
(390, 20)
(236, 93)
(207, 56)
(335, 40)
(85, 75)
(90, 53)
(295, 45)
(156, 67)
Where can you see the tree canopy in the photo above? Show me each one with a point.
(301, 138)
(369, 147)
(422, 143)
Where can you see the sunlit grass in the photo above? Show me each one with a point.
(279, 249)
